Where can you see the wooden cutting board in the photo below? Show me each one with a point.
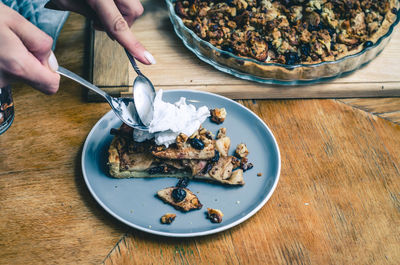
(178, 68)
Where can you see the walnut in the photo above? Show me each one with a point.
(241, 150)
(181, 139)
(180, 10)
(222, 145)
(205, 140)
(214, 215)
(305, 36)
(167, 218)
(221, 133)
(235, 162)
(202, 131)
(218, 115)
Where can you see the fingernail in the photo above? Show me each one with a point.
(149, 57)
(53, 64)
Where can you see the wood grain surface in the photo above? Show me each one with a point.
(179, 68)
(337, 201)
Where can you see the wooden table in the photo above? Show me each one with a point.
(337, 201)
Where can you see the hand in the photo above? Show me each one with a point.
(25, 52)
(115, 17)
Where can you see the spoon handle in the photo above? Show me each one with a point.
(133, 62)
(83, 82)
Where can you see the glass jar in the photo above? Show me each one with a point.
(6, 109)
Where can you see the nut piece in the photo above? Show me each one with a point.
(168, 218)
(181, 139)
(214, 215)
(218, 115)
(222, 145)
(241, 150)
(221, 133)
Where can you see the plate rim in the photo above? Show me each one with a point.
(192, 234)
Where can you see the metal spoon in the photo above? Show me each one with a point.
(124, 108)
(143, 93)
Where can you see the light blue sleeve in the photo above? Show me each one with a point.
(50, 21)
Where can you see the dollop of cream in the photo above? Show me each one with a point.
(169, 120)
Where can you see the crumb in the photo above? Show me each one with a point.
(131, 211)
(149, 226)
(167, 218)
(214, 215)
(237, 202)
(218, 115)
(259, 174)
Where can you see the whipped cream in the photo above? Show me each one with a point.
(169, 120)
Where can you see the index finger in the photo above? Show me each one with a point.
(117, 26)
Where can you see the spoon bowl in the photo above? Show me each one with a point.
(143, 93)
(124, 108)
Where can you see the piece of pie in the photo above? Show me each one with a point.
(199, 156)
(180, 198)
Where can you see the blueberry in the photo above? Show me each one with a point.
(183, 182)
(214, 27)
(157, 170)
(314, 28)
(227, 48)
(230, 3)
(247, 166)
(333, 45)
(292, 58)
(394, 10)
(197, 143)
(305, 49)
(178, 194)
(368, 44)
(331, 31)
(286, 3)
(216, 157)
(207, 168)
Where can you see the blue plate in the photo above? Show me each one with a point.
(133, 201)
